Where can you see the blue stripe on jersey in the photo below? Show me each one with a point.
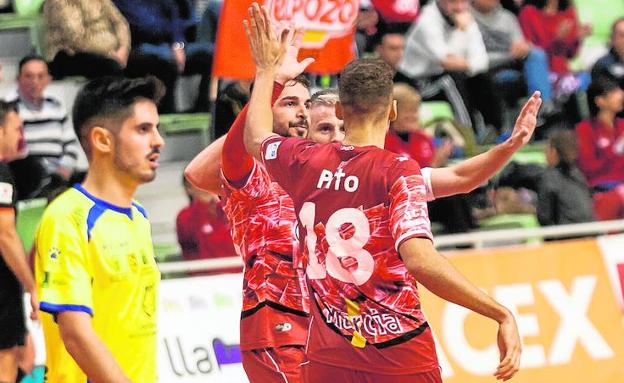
(95, 212)
(52, 308)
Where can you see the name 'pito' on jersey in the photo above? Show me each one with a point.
(338, 180)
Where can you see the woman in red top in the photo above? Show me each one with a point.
(553, 26)
(601, 147)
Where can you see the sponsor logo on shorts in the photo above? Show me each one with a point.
(283, 327)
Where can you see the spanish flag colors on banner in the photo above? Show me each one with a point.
(329, 37)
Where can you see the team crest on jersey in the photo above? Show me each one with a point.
(54, 253)
(402, 159)
(271, 151)
(6, 193)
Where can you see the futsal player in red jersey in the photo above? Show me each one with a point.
(362, 211)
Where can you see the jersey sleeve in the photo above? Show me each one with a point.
(7, 188)
(426, 174)
(256, 188)
(282, 157)
(62, 269)
(409, 217)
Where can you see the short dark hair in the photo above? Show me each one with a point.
(365, 86)
(600, 86)
(564, 143)
(111, 97)
(26, 59)
(7, 107)
(540, 4)
(301, 79)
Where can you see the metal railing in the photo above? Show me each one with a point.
(476, 239)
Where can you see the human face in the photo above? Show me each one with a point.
(32, 80)
(325, 127)
(138, 142)
(612, 102)
(453, 7)
(617, 39)
(391, 49)
(485, 5)
(290, 111)
(10, 136)
(407, 121)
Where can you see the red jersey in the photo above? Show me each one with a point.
(419, 146)
(601, 151)
(540, 28)
(203, 232)
(355, 206)
(275, 299)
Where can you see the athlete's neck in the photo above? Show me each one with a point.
(364, 134)
(110, 187)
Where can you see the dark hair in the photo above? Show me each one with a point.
(301, 79)
(564, 143)
(600, 86)
(540, 4)
(366, 86)
(26, 59)
(7, 107)
(111, 98)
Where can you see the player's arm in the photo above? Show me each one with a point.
(13, 254)
(203, 171)
(470, 173)
(268, 52)
(87, 349)
(439, 276)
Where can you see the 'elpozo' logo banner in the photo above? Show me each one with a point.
(322, 19)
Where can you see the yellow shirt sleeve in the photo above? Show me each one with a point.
(62, 268)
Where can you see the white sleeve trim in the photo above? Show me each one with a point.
(426, 175)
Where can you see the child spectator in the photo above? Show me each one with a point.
(563, 196)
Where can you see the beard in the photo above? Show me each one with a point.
(133, 168)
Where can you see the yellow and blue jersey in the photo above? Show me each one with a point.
(98, 258)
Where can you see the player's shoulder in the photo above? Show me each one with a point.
(69, 209)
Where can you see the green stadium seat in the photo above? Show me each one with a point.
(27, 7)
(180, 123)
(512, 221)
(20, 35)
(167, 252)
(431, 111)
(29, 213)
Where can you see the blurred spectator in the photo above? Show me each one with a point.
(405, 137)
(49, 135)
(601, 147)
(563, 196)
(202, 228)
(325, 126)
(162, 45)
(87, 38)
(510, 54)
(445, 58)
(512, 6)
(365, 27)
(230, 101)
(601, 138)
(553, 26)
(612, 64)
(391, 47)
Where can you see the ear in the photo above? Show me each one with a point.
(339, 111)
(101, 140)
(392, 116)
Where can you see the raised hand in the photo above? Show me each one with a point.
(526, 121)
(291, 67)
(267, 49)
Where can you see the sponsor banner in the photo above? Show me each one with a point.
(612, 247)
(329, 31)
(570, 325)
(198, 330)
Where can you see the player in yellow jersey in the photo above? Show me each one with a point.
(95, 271)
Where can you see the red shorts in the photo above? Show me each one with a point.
(269, 365)
(314, 372)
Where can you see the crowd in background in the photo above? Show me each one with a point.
(482, 57)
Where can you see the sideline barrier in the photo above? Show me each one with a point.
(560, 292)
